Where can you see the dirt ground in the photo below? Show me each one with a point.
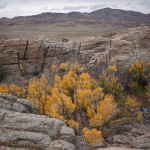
(54, 32)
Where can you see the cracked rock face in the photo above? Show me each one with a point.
(22, 130)
(96, 55)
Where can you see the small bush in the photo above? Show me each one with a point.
(22, 70)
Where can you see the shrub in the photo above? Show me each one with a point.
(22, 70)
(92, 136)
(139, 74)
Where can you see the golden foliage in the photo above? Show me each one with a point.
(69, 83)
(17, 90)
(73, 124)
(88, 92)
(64, 67)
(113, 68)
(75, 67)
(105, 111)
(62, 104)
(131, 103)
(92, 136)
(134, 86)
(110, 84)
(138, 70)
(13, 89)
(4, 89)
(54, 68)
(22, 70)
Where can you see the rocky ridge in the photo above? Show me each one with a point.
(106, 16)
(37, 56)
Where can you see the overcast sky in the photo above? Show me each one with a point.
(12, 8)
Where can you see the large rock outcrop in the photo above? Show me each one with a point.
(20, 129)
(129, 134)
(97, 54)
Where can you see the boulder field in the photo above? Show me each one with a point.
(96, 54)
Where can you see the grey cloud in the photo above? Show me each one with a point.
(73, 7)
(145, 3)
(3, 5)
(89, 7)
(95, 7)
(129, 4)
(32, 7)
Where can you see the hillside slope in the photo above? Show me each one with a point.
(102, 16)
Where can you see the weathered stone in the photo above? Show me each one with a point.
(10, 148)
(67, 134)
(60, 144)
(142, 142)
(21, 129)
(14, 104)
(131, 134)
(15, 44)
(24, 138)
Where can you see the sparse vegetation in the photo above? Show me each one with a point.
(22, 70)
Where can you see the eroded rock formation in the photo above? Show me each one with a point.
(97, 54)
(37, 56)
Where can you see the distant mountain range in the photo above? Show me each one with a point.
(99, 17)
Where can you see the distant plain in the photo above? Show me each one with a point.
(57, 32)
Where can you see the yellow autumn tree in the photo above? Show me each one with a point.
(88, 93)
(39, 92)
(62, 104)
(106, 110)
(69, 83)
